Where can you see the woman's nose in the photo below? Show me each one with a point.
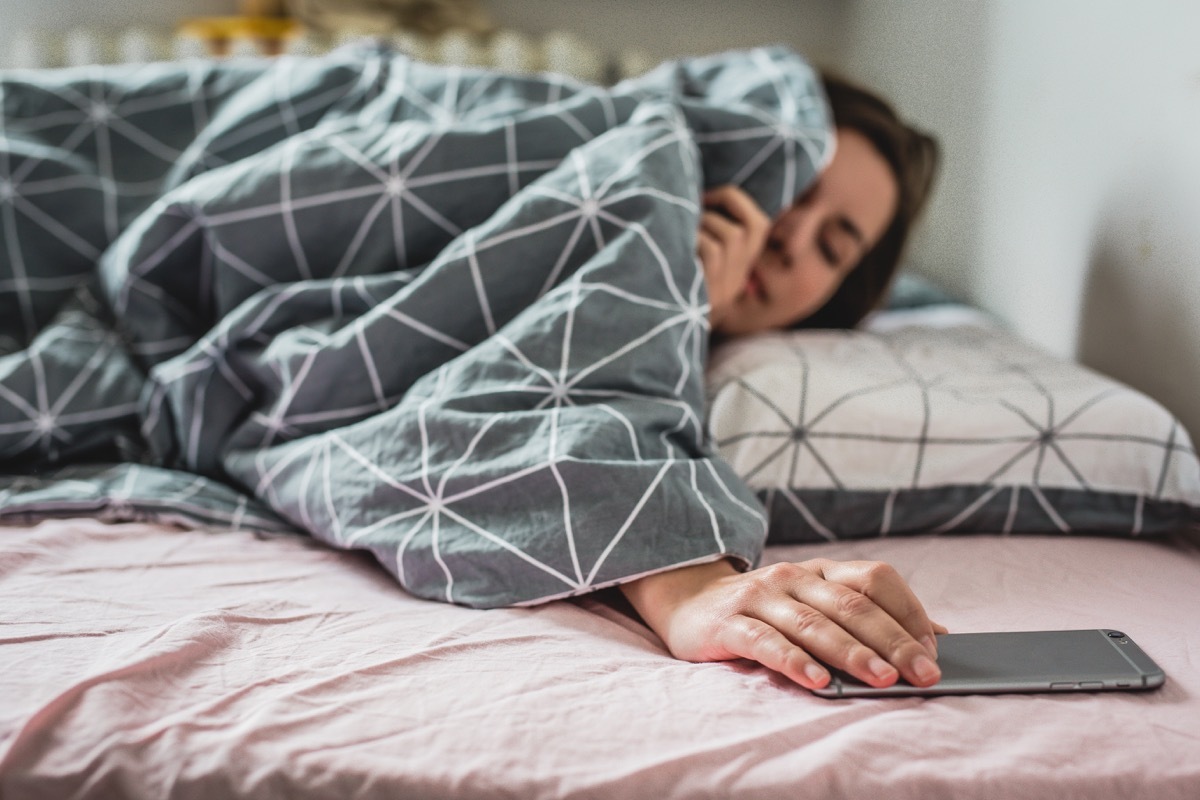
(794, 232)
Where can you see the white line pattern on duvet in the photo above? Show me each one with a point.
(451, 317)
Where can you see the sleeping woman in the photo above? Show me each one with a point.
(384, 317)
(826, 260)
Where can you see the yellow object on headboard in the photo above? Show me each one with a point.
(221, 35)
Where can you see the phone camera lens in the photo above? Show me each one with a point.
(1116, 635)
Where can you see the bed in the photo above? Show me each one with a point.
(144, 661)
(217, 582)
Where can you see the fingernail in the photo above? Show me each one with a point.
(925, 669)
(816, 674)
(930, 645)
(880, 668)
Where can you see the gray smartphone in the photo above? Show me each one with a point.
(1024, 661)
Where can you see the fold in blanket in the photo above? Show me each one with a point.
(452, 317)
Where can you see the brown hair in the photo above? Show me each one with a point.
(913, 157)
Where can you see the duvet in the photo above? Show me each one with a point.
(451, 317)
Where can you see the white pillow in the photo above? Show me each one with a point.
(935, 421)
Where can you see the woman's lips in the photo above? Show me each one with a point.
(754, 286)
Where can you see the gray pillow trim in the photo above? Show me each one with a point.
(816, 515)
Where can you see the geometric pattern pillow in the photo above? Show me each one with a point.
(953, 427)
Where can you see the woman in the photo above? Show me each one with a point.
(286, 329)
(824, 261)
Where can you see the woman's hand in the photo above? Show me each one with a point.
(733, 233)
(857, 616)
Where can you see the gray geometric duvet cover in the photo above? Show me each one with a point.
(449, 316)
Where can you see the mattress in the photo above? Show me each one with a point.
(146, 661)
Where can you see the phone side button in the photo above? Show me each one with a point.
(1091, 685)
(1062, 687)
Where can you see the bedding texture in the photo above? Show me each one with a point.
(451, 317)
(944, 423)
(251, 668)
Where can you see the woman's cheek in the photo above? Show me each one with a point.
(809, 291)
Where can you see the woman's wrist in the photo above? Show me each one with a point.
(657, 596)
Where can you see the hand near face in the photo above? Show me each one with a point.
(733, 233)
(769, 274)
(857, 616)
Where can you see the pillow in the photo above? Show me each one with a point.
(910, 290)
(935, 420)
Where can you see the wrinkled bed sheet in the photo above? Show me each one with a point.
(146, 661)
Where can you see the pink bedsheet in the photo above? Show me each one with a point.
(144, 661)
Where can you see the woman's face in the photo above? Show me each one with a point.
(815, 243)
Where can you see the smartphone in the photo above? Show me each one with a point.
(1024, 661)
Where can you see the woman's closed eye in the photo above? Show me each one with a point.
(829, 254)
(839, 247)
(836, 251)
(845, 241)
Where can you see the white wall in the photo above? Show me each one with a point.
(1070, 204)
(62, 15)
(668, 28)
(660, 28)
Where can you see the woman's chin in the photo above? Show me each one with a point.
(741, 324)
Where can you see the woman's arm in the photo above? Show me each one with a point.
(857, 616)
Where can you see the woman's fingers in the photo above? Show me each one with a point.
(748, 637)
(872, 602)
(840, 625)
(852, 633)
(885, 586)
(813, 630)
(733, 216)
(708, 247)
(719, 226)
(739, 206)
(725, 255)
(737, 239)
